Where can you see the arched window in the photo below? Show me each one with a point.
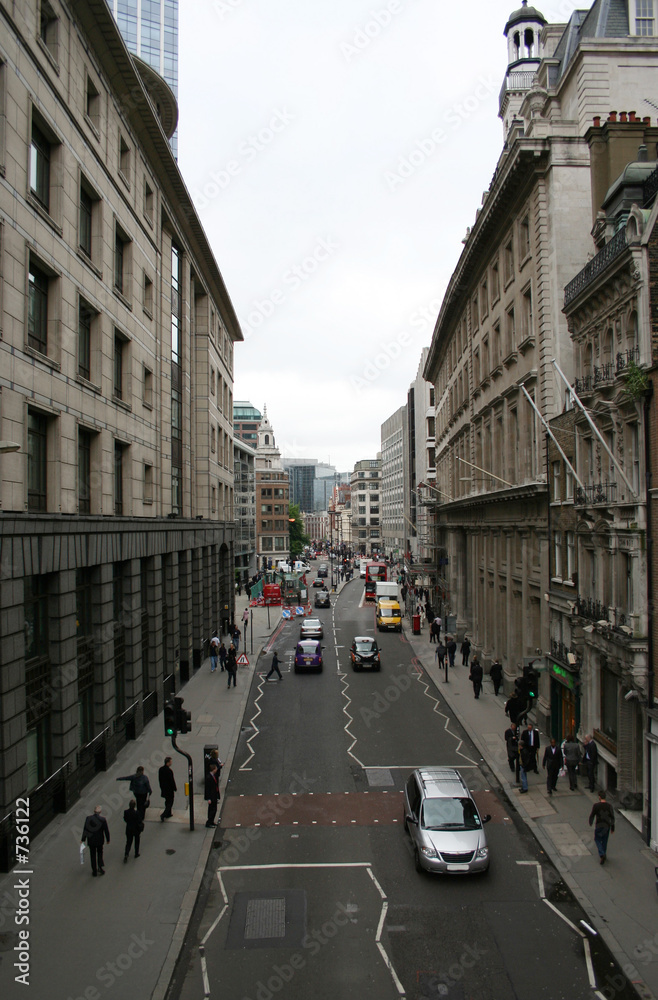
(607, 346)
(517, 45)
(529, 42)
(267, 439)
(587, 359)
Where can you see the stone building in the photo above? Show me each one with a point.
(366, 487)
(394, 496)
(116, 356)
(501, 323)
(420, 476)
(272, 499)
(244, 466)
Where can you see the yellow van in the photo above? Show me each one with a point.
(389, 615)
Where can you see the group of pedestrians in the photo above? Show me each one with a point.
(96, 832)
(228, 658)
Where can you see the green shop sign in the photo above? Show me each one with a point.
(565, 676)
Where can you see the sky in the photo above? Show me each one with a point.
(336, 152)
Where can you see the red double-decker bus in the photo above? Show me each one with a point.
(374, 571)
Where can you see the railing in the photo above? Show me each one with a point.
(516, 81)
(561, 651)
(598, 493)
(625, 358)
(610, 251)
(92, 758)
(150, 706)
(650, 187)
(596, 611)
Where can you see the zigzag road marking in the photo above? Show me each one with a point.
(252, 752)
(420, 677)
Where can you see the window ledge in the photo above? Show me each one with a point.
(510, 359)
(122, 298)
(44, 213)
(497, 371)
(126, 180)
(527, 343)
(147, 406)
(84, 256)
(94, 128)
(148, 312)
(525, 260)
(87, 384)
(508, 282)
(568, 583)
(147, 500)
(120, 402)
(48, 54)
(32, 351)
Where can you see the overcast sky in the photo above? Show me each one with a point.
(336, 152)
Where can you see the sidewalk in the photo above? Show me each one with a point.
(619, 898)
(120, 936)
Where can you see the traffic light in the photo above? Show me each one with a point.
(183, 718)
(532, 677)
(170, 718)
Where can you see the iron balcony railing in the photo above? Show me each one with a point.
(650, 187)
(604, 374)
(604, 257)
(597, 493)
(596, 611)
(561, 651)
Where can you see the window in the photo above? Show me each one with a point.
(495, 282)
(48, 28)
(120, 243)
(266, 492)
(212, 381)
(148, 484)
(213, 499)
(557, 555)
(571, 555)
(484, 299)
(644, 17)
(510, 333)
(362, 510)
(176, 302)
(212, 439)
(266, 543)
(524, 237)
(527, 318)
(93, 103)
(266, 508)
(148, 387)
(40, 167)
(568, 482)
(432, 395)
(176, 490)
(118, 478)
(475, 314)
(508, 260)
(120, 352)
(37, 314)
(149, 199)
(86, 318)
(37, 469)
(609, 703)
(124, 160)
(177, 414)
(148, 295)
(281, 543)
(557, 492)
(84, 471)
(85, 221)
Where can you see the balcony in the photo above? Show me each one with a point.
(596, 611)
(562, 652)
(599, 493)
(596, 266)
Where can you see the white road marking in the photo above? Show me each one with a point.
(252, 752)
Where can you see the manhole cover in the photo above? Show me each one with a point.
(265, 918)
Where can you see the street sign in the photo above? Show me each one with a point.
(243, 660)
(285, 613)
(299, 611)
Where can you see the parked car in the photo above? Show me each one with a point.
(442, 819)
(311, 629)
(308, 656)
(323, 570)
(365, 653)
(322, 599)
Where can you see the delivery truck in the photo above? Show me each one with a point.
(387, 589)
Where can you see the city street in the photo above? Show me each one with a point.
(312, 888)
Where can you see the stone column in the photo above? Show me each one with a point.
(132, 624)
(196, 582)
(104, 684)
(13, 759)
(63, 692)
(185, 606)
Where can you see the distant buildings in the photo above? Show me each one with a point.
(246, 420)
(272, 499)
(366, 485)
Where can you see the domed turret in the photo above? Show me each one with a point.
(522, 31)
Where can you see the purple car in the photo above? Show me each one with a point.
(308, 655)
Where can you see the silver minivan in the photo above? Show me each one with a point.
(442, 819)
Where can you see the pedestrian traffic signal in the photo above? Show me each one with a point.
(532, 678)
(170, 718)
(183, 720)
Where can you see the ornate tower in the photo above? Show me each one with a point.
(524, 54)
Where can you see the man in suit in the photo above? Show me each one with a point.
(530, 741)
(511, 738)
(552, 762)
(590, 759)
(95, 833)
(211, 794)
(167, 788)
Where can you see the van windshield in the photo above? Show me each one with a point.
(450, 814)
(389, 613)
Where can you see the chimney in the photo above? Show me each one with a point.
(643, 154)
(612, 117)
(623, 117)
(597, 121)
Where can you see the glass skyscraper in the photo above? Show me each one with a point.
(150, 31)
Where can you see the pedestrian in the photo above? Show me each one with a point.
(552, 762)
(429, 613)
(465, 650)
(530, 739)
(496, 674)
(214, 647)
(441, 655)
(222, 653)
(571, 754)
(511, 738)
(403, 591)
(167, 788)
(134, 826)
(245, 621)
(95, 832)
(526, 763)
(451, 646)
(236, 638)
(476, 675)
(590, 759)
(434, 632)
(211, 793)
(275, 666)
(603, 817)
(140, 786)
(231, 665)
(239, 588)
(514, 708)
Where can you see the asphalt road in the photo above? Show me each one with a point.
(311, 890)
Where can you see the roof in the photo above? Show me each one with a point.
(604, 19)
(524, 13)
(441, 781)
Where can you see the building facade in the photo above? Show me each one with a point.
(244, 465)
(272, 499)
(501, 325)
(421, 475)
(394, 497)
(117, 342)
(301, 473)
(246, 420)
(366, 485)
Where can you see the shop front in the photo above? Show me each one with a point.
(565, 702)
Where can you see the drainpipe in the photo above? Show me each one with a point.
(650, 671)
